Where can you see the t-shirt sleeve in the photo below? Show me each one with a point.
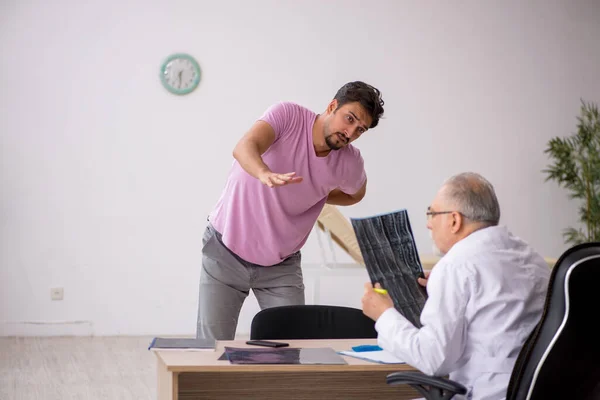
(354, 175)
(279, 116)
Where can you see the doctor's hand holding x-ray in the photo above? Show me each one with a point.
(423, 281)
(374, 304)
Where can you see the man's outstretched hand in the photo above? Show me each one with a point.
(272, 179)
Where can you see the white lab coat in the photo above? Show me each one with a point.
(485, 297)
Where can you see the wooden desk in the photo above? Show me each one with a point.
(186, 375)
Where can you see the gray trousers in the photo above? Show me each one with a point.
(226, 280)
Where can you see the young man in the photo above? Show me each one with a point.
(287, 166)
(486, 294)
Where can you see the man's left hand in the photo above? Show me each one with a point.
(373, 303)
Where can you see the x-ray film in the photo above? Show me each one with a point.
(388, 247)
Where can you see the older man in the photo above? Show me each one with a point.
(486, 294)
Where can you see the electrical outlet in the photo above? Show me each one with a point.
(56, 293)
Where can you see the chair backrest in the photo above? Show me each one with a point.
(561, 358)
(311, 322)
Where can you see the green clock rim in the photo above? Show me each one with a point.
(194, 64)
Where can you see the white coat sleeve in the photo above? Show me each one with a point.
(439, 343)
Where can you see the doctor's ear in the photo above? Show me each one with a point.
(457, 221)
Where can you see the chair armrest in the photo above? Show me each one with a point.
(432, 387)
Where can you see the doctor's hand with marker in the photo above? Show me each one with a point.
(375, 301)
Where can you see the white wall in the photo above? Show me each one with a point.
(107, 178)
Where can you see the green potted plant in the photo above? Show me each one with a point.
(575, 165)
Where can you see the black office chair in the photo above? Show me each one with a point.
(311, 322)
(561, 357)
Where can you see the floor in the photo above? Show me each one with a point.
(82, 368)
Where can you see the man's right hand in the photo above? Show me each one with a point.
(248, 152)
(272, 179)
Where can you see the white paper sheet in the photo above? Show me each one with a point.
(380, 356)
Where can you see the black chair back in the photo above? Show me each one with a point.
(561, 358)
(311, 322)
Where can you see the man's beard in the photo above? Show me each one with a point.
(329, 139)
(436, 249)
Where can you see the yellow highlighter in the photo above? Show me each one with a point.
(380, 291)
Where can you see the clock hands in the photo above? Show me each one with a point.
(180, 74)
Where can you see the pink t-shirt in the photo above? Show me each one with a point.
(265, 225)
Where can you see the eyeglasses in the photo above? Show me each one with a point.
(430, 214)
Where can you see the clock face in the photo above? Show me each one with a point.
(180, 74)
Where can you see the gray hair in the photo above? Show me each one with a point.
(474, 197)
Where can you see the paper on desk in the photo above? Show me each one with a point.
(381, 356)
(182, 344)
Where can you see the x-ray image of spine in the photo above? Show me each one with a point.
(388, 248)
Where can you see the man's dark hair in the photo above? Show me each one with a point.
(365, 94)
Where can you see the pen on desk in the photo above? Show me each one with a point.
(380, 291)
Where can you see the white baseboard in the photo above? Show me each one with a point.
(46, 328)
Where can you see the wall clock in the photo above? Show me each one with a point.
(180, 73)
